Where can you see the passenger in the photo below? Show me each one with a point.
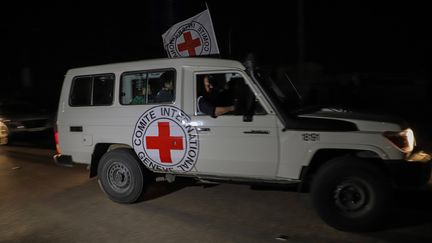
(143, 97)
(166, 94)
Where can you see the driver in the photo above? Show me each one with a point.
(215, 101)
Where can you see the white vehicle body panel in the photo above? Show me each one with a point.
(225, 149)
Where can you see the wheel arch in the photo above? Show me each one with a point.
(324, 156)
(99, 150)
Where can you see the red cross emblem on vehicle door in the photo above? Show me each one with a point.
(190, 44)
(164, 142)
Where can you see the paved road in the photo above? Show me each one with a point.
(41, 202)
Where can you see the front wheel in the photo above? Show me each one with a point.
(351, 195)
(122, 176)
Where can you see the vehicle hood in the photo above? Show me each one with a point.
(363, 121)
(25, 116)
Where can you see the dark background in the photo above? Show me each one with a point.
(369, 55)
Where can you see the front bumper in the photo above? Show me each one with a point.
(413, 172)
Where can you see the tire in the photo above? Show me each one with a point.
(351, 194)
(122, 176)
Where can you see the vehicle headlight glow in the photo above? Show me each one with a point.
(3, 133)
(404, 140)
(3, 129)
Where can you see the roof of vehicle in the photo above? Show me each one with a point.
(157, 64)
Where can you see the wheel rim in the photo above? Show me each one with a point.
(351, 196)
(119, 177)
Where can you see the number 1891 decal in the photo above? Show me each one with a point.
(311, 137)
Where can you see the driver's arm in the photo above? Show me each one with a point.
(220, 110)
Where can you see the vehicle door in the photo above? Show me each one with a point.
(242, 143)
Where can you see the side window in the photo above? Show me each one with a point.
(103, 87)
(134, 89)
(92, 90)
(147, 87)
(81, 91)
(224, 90)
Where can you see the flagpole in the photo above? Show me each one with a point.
(211, 22)
(229, 41)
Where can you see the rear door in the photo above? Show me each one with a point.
(88, 101)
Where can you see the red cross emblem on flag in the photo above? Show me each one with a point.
(164, 142)
(191, 37)
(189, 44)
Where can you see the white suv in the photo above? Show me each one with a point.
(348, 161)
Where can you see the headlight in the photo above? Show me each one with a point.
(404, 140)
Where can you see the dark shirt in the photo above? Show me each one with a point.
(207, 104)
(204, 106)
(164, 96)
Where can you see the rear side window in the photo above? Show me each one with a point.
(147, 87)
(95, 90)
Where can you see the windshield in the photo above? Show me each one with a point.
(279, 89)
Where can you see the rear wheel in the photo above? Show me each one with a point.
(350, 194)
(122, 176)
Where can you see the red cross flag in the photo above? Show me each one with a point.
(192, 37)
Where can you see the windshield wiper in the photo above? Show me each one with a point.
(295, 89)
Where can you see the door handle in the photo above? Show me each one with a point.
(76, 128)
(257, 132)
(203, 129)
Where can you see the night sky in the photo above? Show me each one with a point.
(376, 41)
